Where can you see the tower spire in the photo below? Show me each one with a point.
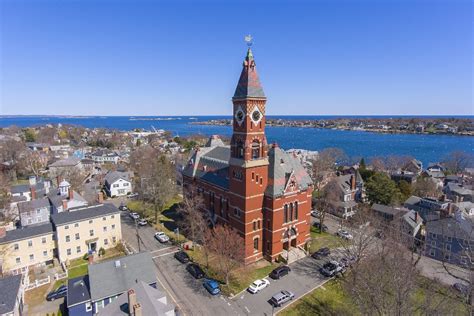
(249, 83)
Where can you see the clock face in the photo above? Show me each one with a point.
(256, 115)
(239, 116)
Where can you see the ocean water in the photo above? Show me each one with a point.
(427, 148)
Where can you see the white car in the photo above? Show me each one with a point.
(134, 215)
(315, 213)
(258, 285)
(344, 234)
(142, 222)
(161, 237)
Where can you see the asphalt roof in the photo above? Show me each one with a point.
(151, 300)
(27, 232)
(83, 213)
(68, 162)
(116, 276)
(33, 205)
(78, 290)
(113, 176)
(451, 227)
(388, 209)
(9, 287)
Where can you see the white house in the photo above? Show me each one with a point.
(104, 156)
(118, 183)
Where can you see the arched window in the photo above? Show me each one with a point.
(286, 213)
(291, 212)
(240, 149)
(296, 210)
(255, 149)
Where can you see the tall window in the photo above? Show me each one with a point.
(291, 212)
(255, 244)
(255, 149)
(296, 210)
(240, 149)
(286, 214)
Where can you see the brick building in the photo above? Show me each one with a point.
(259, 189)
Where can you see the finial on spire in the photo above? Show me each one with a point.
(249, 40)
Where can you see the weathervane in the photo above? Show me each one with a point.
(249, 40)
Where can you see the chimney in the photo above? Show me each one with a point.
(137, 309)
(100, 198)
(71, 193)
(33, 193)
(3, 231)
(443, 198)
(132, 301)
(90, 258)
(64, 205)
(416, 217)
(456, 199)
(58, 180)
(353, 182)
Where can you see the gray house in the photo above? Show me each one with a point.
(451, 240)
(108, 280)
(11, 296)
(34, 212)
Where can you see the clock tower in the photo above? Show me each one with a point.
(248, 165)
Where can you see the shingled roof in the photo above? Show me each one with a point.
(249, 84)
(282, 166)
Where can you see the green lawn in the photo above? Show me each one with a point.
(326, 300)
(319, 240)
(77, 271)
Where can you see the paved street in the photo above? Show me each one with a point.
(193, 299)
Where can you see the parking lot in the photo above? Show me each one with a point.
(192, 298)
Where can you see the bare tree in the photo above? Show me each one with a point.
(326, 201)
(457, 161)
(193, 224)
(425, 186)
(324, 164)
(4, 192)
(227, 245)
(34, 163)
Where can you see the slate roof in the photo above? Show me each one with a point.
(450, 227)
(27, 232)
(56, 199)
(458, 189)
(388, 209)
(33, 205)
(83, 213)
(9, 287)
(152, 301)
(78, 290)
(68, 162)
(411, 219)
(281, 167)
(24, 188)
(109, 278)
(214, 141)
(249, 84)
(113, 176)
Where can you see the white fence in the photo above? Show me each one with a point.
(37, 283)
(59, 276)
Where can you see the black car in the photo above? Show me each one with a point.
(280, 272)
(182, 256)
(58, 293)
(195, 270)
(323, 252)
(318, 226)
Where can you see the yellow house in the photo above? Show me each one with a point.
(30, 246)
(86, 230)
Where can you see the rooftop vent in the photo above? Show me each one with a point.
(117, 263)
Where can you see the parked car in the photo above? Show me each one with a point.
(58, 293)
(212, 286)
(182, 256)
(134, 215)
(331, 268)
(142, 222)
(258, 285)
(133, 195)
(347, 261)
(322, 252)
(344, 234)
(279, 272)
(161, 237)
(318, 226)
(195, 270)
(461, 288)
(123, 208)
(315, 213)
(281, 298)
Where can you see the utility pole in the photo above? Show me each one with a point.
(138, 235)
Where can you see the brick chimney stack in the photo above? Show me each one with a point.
(132, 301)
(58, 180)
(33, 193)
(3, 231)
(64, 205)
(137, 309)
(70, 192)
(353, 182)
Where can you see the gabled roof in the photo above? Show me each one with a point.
(68, 162)
(114, 176)
(9, 287)
(249, 84)
(151, 300)
(281, 166)
(83, 214)
(27, 232)
(116, 276)
(33, 205)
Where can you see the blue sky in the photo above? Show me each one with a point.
(184, 57)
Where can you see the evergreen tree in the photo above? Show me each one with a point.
(382, 190)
